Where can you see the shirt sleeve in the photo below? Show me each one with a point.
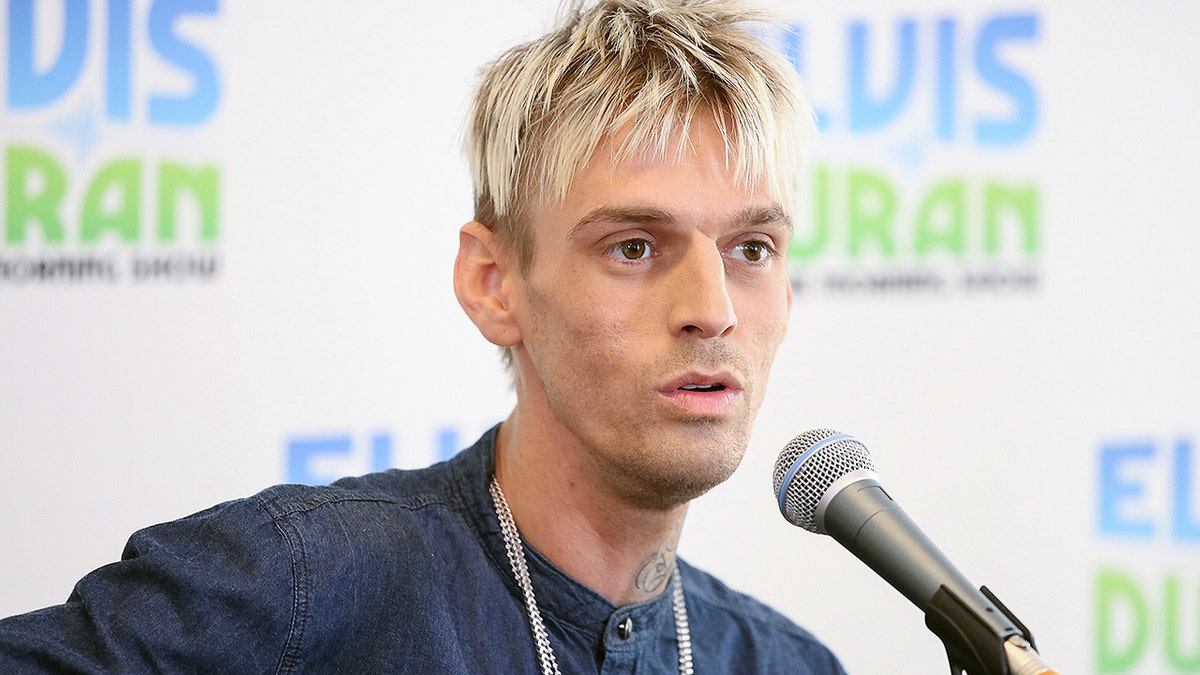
(210, 593)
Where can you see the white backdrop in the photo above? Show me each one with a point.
(1039, 424)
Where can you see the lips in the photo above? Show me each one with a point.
(698, 394)
(703, 382)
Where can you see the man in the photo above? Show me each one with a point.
(633, 175)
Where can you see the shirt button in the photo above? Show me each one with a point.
(625, 629)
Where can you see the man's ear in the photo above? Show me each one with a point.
(479, 275)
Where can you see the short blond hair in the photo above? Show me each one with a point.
(648, 67)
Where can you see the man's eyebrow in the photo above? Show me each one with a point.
(765, 216)
(748, 217)
(630, 215)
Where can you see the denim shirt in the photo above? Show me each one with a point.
(394, 572)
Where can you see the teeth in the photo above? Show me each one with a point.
(701, 387)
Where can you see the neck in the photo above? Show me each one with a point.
(620, 550)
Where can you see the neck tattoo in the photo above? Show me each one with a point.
(516, 558)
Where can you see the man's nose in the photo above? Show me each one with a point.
(702, 306)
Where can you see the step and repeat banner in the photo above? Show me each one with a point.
(225, 259)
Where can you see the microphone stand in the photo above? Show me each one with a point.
(982, 643)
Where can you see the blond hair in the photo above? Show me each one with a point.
(650, 67)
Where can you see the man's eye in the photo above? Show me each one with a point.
(753, 251)
(632, 249)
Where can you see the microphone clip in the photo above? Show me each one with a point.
(982, 643)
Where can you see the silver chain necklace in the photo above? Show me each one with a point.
(516, 557)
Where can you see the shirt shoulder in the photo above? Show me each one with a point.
(401, 488)
(291, 578)
(446, 483)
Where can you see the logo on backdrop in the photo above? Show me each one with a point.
(922, 179)
(321, 458)
(107, 178)
(1145, 591)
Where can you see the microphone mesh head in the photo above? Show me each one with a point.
(808, 466)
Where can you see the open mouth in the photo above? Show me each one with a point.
(703, 387)
(707, 395)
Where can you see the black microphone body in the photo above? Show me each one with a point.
(864, 519)
(825, 482)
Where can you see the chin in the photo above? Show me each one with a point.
(685, 478)
(673, 491)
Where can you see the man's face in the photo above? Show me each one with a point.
(649, 319)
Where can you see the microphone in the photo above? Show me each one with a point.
(825, 482)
